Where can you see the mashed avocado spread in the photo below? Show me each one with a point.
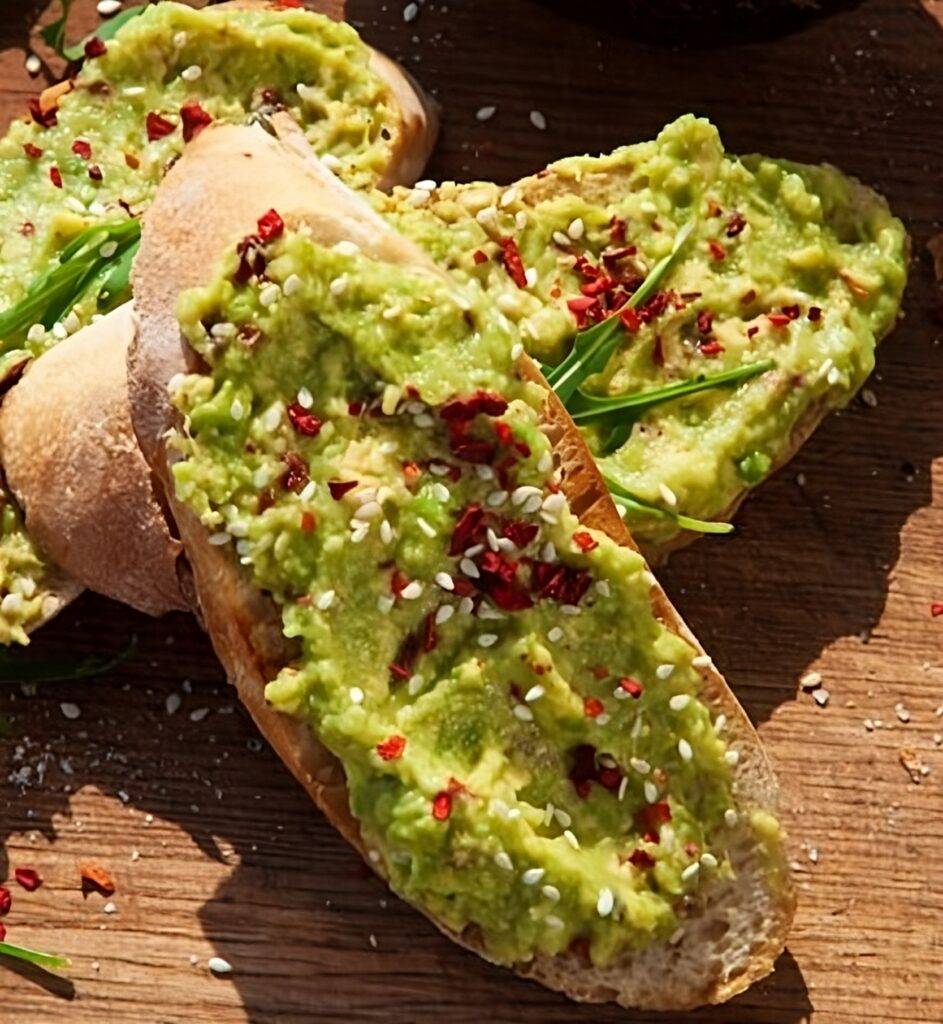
(791, 263)
(523, 739)
(96, 160)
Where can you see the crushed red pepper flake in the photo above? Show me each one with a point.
(641, 859)
(442, 805)
(736, 224)
(55, 176)
(157, 127)
(95, 172)
(593, 707)
(814, 314)
(3, 931)
(339, 488)
(751, 331)
(132, 161)
(585, 541)
(779, 319)
(391, 748)
(710, 348)
(631, 686)
(488, 403)
(193, 118)
(936, 609)
(6, 900)
(520, 533)
(28, 878)
(705, 321)
(295, 477)
(469, 529)
(617, 228)
(94, 47)
(479, 257)
(513, 264)
(718, 252)
(44, 118)
(270, 226)
(303, 420)
(308, 522)
(82, 149)
(32, 150)
(96, 879)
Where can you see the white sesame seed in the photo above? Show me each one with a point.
(605, 902)
(731, 817)
(218, 965)
(664, 671)
(571, 839)
(517, 350)
(292, 284)
(410, 12)
(532, 504)
(520, 219)
(386, 532)
(538, 120)
(497, 498)
(708, 860)
(172, 703)
(69, 710)
(485, 113)
(339, 285)
(385, 603)
(356, 695)
(679, 701)
(469, 568)
(684, 749)
(192, 73)
(326, 600)
(503, 861)
(487, 639)
(701, 661)
(811, 680)
(821, 697)
(330, 161)
(561, 238)
(36, 333)
(640, 765)
(555, 635)
(428, 530)
(198, 714)
(520, 494)
(732, 757)
(576, 228)
(414, 685)
(346, 248)
(440, 492)
(623, 786)
(419, 197)
(834, 375)
(369, 510)
(563, 819)
(550, 892)
(548, 553)
(465, 606)
(720, 723)
(269, 295)
(523, 713)
(534, 693)
(110, 908)
(216, 539)
(668, 495)
(570, 609)
(108, 250)
(33, 65)
(532, 876)
(690, 871)
(305, 398)
(445, 581)
(603, 588)
(651, 791)
(411, 591)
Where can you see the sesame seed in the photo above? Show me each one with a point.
(690, 871)
(517, 350)
(356, 695)
(440, 492)
(465, 606)
(651, 791)
(414, 685)
(534, 693)
(444, 614)
(292, 284)
(664, 671)
(218, 965)
(445, 581)
(216, 539)
(485, 113)
(503, 861)
(605, 902)
(548, 553)
(684, 749)
(532, 504)
(305, 398)
(69, 710)
(640, 765)
(497, 498)
(192, 73)
(701, 661)
(386, 532)
(679, 701)
(811, 680)
(428, 530)
(36, 333)
(108, 250)
(821, 697)
(538, 120)
(563, 818)
(487, 639)
(555, 635)
(623, 786)
(385, 603)
(339, 285)
(522, 712)
(561, 238)
(731, 817)
(268, 296)
(576, 228)
(410, 12)
(603, 588)
(411, 591)
(732, 757)
(532, 876)
(571, 839)
(369, 510)
(708, 860)
(326, 600)
(469, 568)
(550, 892)
(720, 723)
(33, 65)
(330, 161)
(668, 495)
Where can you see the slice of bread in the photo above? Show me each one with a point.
(223, 184)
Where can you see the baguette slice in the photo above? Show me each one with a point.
(66, 441)
(232, 176)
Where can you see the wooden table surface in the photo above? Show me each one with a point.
(834, 566)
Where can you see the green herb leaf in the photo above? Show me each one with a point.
(54, 32)
(593, 347)
(586, 408)
(14, 667)
(117, 285)
(58, 288)
(47, 961)
(105, 31)
(631, 503)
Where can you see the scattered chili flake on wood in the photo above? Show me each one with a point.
(96, 879)
(513, 264)
(28, 878)
(392, 748)
(94, 47)
(32, 151)
(718, 252)
(585, 541)
(157, 127)
(304, 421)
(193, 118)
(936, 609)
(270, 226)
(3, 931)
(55, 176)
(593, 707)
(631, 686)
(6, 900)
(339, 488)
(442, 805)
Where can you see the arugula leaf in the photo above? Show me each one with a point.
(593, 347)
(54, 32)
(14, 667)
(58, 288)
(631, 503)
(585, 408)
(117, 284)
(105, 31)
(47, 961)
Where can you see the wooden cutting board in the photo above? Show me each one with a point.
(834, 566)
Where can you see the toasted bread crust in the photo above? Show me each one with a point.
(245, 626)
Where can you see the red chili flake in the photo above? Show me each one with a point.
(399, 581)
(585, 310)
(55, 176)
(308, 522)
(609, 778)
(504, 432)
(559, 582)
(718, 252)
(705, 321)
(498, 580)
(652, 816)
(600, 671)
(193, 118)
(479, 257)
(28, 878)
(735, 225)
(600, 286)
(747, 297)
(710, 348)
(295, 477)
(585, 541)
(392, 748)
(779, 319)
(936, 609)
(303, 420)
(593, 707)
(792, 312)
(45, 118)
(463, 409)
(583, 771)
(266, 500)
(3, 931)
(692, 849)
(6, 900)
(430, 637)
(251, 259)
(469, 529)
(96, 879)
(82, 148)
(339, 488)
(95, 172)
(32, 151)
(473, 450)
(412, 472)
(402, 666)
(286, 4)
(751, 331)
(355, 408)
(617, 228)
(513, 264)
(132, 161)
(641, 859)
(814, 313)
(442, 805)
(27, 228)
(157, 127)
(631, 320)
(270, 226)
(94, 47)
(631, 686)
(520, 533)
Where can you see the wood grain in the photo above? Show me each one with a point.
(834, 567)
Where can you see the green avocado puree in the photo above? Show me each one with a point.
(116, 133)
(523, 740)
(788, 262)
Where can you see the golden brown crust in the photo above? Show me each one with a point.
(245, 626)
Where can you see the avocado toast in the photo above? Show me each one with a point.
(416, 580)
(74, 178)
